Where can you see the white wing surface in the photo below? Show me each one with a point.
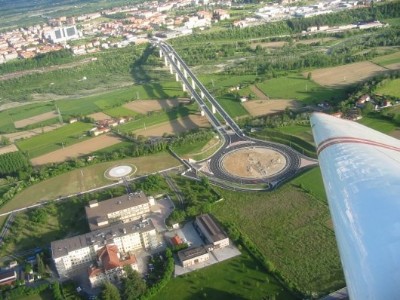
(361, 173)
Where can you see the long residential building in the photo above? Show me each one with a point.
(73, 253)
(126, 208)
(212, 231)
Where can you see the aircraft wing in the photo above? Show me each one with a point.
(361, 173)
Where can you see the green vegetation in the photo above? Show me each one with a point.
(39, 227)
(11, 163)
(378, 123)
(389, 59)
(301, 131)
(311, 182)
(54, 140)
(80, 180)
(191, 142)
(9, 116)
(390, 88)
(289, 227)
(247, 279)
(297, 87)
(120, 111)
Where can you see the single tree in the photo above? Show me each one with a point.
(110, 292)
(133, 286)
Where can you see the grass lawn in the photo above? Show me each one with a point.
(84, 179)
(301, 131)
(289, 228)
(390, 88)
(295, 86)
(311, 181)
(378, 124)
(387, 59)
(9, 116)
(393, 21)
(238, 278)
(158, 117)
(191, 149)
(53, 140)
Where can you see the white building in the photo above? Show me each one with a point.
(192, 256)
(73, 253)
(126, 208)
(62, 34)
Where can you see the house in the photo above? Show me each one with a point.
(8, 277)
(211, 231)
(243, 99)
(361, 101)
(176, 240)
(123, 209)
(192, 256)
(110, 265)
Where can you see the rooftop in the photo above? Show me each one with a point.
(191, 253)
(99, 237)
(213, 229)
(103, 208)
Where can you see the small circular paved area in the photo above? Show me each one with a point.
(119, 172)
(253, 162)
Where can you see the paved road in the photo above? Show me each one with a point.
(233, 136)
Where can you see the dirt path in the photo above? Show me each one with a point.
(259, 93)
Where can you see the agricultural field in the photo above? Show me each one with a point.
(8, 149)
(199, 149)
(120, 111)
(32, 132)
(390, 88)
(9, 116)
(146, 106)
(87, 178)
(345, 75)
(297, 87)
(54, 140)
(99, 116)
(76, 150)
(247, 280)
(174, 126)
(388, 60)
(289, 228)
(158, 117)
(265, 107)
(35, 119)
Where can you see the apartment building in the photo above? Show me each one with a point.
(75, 252)
(126, 208)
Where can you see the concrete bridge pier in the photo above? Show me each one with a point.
(161, 53)
(176, 77)
(202, 113)
(166, 62)
(213, 109)
(170, 69)
(202, 94)
(185, 73)
(193, 84)
(184, 87)
(179, 64)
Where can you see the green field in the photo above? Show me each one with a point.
(311, 181)
(84, 179)
(378, 124)
(9, 116)
(389, 59)
(291, 229)
(158, 117)
(390, 88)
(120, 111)
(54, 140)
(301, 131)
(297, 87)
(235, 279)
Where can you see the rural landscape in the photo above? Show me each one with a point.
(72, 116)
